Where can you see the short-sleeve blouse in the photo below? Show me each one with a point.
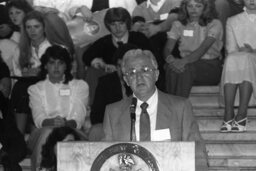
(191, 36)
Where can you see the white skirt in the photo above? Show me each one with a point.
(239, 67)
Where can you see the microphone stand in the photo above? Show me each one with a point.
(133, 119)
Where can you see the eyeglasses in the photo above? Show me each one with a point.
(143, 71)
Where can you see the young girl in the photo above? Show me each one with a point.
(17, 11)
(199, 37)
(239, 70)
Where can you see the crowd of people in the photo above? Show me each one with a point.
(56, 88)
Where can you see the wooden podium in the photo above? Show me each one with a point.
(126, 156)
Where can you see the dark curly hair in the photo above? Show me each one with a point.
(117, 14)
(209, 12)
(49, 159)
(57, 52)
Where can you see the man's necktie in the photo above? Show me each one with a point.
(144, 123)
(120, 43)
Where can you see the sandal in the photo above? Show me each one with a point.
(226, 126)
(237, 127)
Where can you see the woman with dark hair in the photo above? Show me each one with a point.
(57, 100)
(99, 56)
(57, 52)
(49, 158)
(199, 35)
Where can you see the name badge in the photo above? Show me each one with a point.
(164, 16)
(161, 135)
(64, 92)
(188, 33)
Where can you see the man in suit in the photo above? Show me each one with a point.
(164, 112)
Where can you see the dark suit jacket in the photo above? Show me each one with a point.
(108, 90)
(173, 112)
(104, 47)
(11, 139)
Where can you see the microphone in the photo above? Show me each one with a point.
(133, 108)
(133, 118)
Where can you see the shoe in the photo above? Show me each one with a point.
(226, 126)
(237, 127)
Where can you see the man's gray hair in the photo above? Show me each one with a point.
(134, 53)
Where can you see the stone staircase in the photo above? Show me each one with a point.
(226, 151)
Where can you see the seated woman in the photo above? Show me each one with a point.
(49, 149)
(58, 100)
(99, 56)
(239, 71)
(199, 36)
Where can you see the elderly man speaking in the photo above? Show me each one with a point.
(154, 110)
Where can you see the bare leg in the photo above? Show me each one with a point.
(21, 121)
(229, 97)
(245, 92)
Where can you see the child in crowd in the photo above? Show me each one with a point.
(198, 33)
(239, 70)
(17, 11)
(57, 100)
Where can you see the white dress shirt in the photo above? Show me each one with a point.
(152, 111)
(48, 100)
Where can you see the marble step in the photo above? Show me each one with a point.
(232, 169)
(209, 127)
(205, 90)
(232, 155)
(214, 123)
(210, 96)
(233, 162)
(205, 100)
(218, 112)
(217, 137)
(233, 150)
